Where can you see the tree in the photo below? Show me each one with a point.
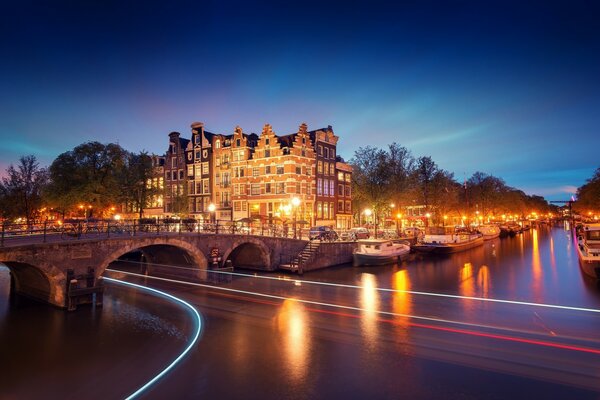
(588, 195)
(401, 166)
(425, 171)
(485, 192)
(371, 178)
(135, 179)
(21, 190)
(87, 174)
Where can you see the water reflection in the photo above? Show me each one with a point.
(369, 301)
(401, 303)
(465, 279)
(292, 323)
(536, 264)
(483, 281)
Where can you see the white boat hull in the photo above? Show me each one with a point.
(372, 259)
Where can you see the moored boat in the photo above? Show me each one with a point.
(588, 249)
(379, 252)
(489, 231)
(444, 240)
(514, 228)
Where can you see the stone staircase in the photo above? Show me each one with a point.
(307, 255)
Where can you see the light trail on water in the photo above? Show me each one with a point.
(504, 337)
(344, 285)
(148, 384)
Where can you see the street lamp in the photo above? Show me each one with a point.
(295, 204)
(211, 210)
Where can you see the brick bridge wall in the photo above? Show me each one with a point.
(40, 269)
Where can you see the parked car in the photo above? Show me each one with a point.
(359, 233)
(322, 233)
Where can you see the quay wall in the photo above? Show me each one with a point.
(331, 254)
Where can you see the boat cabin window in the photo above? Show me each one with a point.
(593, 235)
(377, 247)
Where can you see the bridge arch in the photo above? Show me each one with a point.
(249, 252)
(196, 255)
(42, 282)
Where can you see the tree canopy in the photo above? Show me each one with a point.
(21, 190)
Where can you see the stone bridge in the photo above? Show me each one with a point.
(46, 271)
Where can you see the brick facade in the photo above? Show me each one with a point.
(267, 177)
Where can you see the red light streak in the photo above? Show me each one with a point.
(219, 291)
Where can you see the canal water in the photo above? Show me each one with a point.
(273, 347)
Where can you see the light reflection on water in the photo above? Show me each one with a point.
(111, 343)
(402, 304)
(293, 325)
(291, 351)
(369, 302)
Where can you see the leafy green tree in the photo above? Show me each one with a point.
(135, 180)
(21, 189)
(588, 195)
(87, 174)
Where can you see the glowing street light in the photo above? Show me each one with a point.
(295, 204)
(211, 210)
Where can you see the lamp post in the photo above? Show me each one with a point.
(295, 204)
(211, 210)
(368, 213)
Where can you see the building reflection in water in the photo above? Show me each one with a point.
(402, 304)
(369, 302)
(483, 281)
(292, 323)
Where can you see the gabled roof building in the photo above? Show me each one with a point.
(276, 179)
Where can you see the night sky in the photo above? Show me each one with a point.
(510, 89)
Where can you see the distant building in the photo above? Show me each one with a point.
(274, 179)
(155, 207)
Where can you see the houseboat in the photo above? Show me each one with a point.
(588, 249)
(444, 240)
(379, 252)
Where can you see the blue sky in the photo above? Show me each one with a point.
(506, 88)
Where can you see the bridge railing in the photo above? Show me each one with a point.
(79, 229)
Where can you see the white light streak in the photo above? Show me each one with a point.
(187, 349)
(343, 285)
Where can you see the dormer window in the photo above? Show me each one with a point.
(238, 142)
(218, 144)
(267, 141)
